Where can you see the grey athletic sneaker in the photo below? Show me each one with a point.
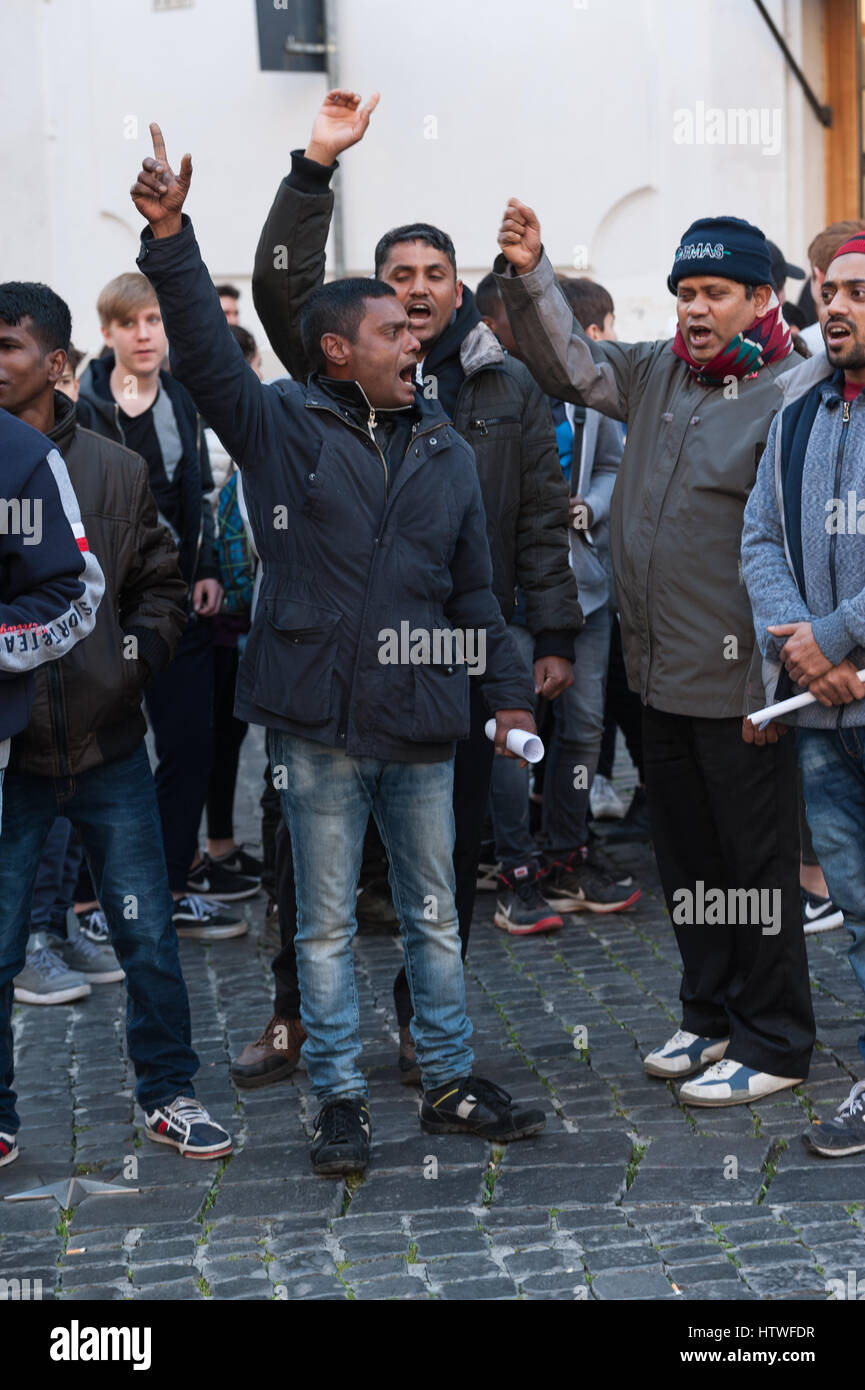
(98, 964)
(46, 979)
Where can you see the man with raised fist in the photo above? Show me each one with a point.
(722, 797)
(366, 511)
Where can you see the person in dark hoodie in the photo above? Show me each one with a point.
(83, 752)
(367, 515)
(51, 583)
(494, 405)
(129, 398)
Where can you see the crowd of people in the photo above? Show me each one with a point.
(456, 521)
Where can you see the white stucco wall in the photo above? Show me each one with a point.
(568, 106)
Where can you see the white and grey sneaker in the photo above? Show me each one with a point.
(683, 1054)
(605, 801)
(46, 979)
(819, 914)
(201, 920)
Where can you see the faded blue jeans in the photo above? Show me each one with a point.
(832, 762)
(327, 803)
(114, 809)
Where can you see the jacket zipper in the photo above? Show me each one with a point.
(839, 459)
(58, 715)
(493, 420)
(370, 424)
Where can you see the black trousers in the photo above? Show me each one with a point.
(472, 770)
(725, 814)
(622, 710)
(180, 706)
(228, 735)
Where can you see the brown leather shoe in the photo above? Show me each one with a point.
(409, 1071)
(273, 1057)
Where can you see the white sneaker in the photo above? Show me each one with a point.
(683, 1054)
(732, 1083)
(605, 801)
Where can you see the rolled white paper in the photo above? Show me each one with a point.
(520, 741)
(764, 716)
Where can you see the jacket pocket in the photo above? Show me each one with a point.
(297, 653)
(441, 703)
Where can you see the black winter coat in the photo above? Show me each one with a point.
(347, 555)
(500, 411)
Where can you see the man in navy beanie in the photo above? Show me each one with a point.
(722, 797)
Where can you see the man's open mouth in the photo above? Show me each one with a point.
(406, 373)
(419, 314)
(699, 337)
(836, 334)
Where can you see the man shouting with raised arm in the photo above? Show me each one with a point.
(723, 812)
(366, 511)
(502, 413)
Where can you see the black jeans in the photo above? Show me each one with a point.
(724, 814)
(472, 769)
(622, 710)
(228, 735)
(180, 706)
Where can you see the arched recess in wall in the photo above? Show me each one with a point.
(624, 225)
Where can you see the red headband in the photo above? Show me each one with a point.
(856, 245)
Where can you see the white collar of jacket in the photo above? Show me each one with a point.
(799, 380)
(480, 348)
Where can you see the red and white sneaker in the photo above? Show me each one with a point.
(9, 1149)
(521, 909)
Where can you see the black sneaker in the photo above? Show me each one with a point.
(211, 880)
(634, 826)
(195, 917)
(520, 909)
(470, 1105)
(819, 914)
(572, 883)
(843, 1135)
(237, 861)
(93, 924)
(341, 1140)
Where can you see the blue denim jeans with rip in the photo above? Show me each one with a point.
(327, 801)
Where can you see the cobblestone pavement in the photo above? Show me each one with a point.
(625, 1196)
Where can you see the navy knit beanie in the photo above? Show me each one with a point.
(726, 246)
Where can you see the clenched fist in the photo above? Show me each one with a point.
(520, 237)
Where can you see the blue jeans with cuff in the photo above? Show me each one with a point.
(327, 804)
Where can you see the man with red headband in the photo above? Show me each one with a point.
(803, 558)
(722, 797)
